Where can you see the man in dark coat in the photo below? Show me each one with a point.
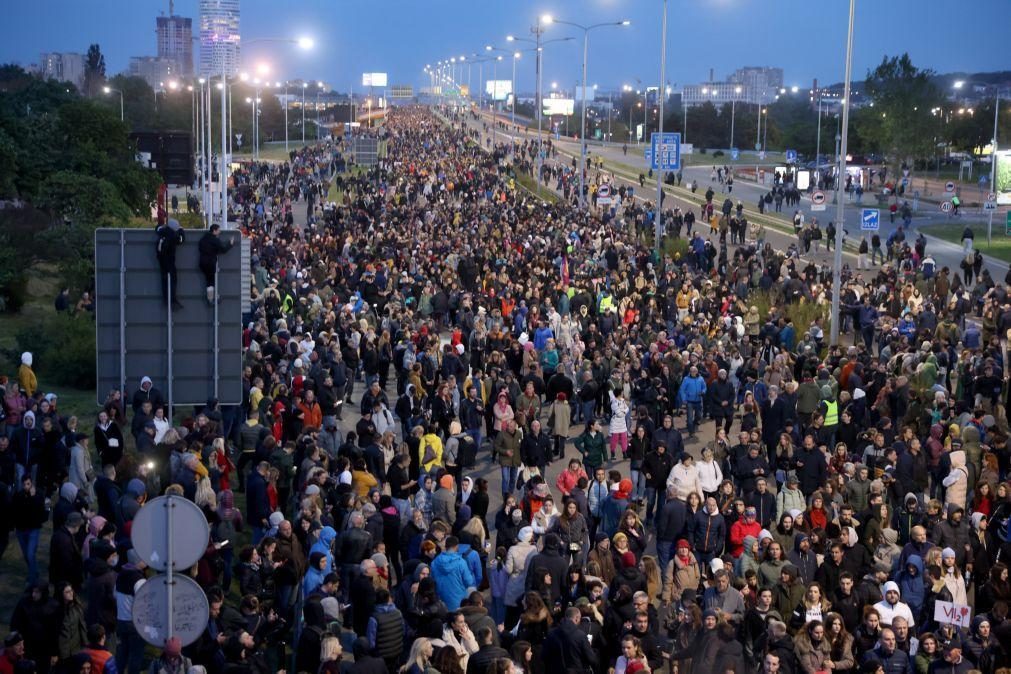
(773, 417)
(721, 401)
(65, 562)
(811, 468)
(257, 501)
(487, 652)
(566, 648)
(210, 247)
(551, 560)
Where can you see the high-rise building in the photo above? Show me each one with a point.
(763, 82)
(219, 37)
(154, 70)
(175, 42)
(756, 85)
(62, 66)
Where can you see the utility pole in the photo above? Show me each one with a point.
(661, 94)
(839, 215)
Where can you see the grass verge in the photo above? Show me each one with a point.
(1000, 247)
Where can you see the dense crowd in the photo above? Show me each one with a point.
(482, 433)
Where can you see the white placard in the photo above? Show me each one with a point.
(958, 615)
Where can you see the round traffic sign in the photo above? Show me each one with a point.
(190, 611)
(991, 197)
(818, 198)
(946, 206)
(949, 186)
(152, 536)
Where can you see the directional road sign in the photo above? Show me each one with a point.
(1007, 225)
(946, 206)
(791, 156)
(758, 146)
(666, 151)
(735, 153)
(870, 220)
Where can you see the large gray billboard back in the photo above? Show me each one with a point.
(192, 354)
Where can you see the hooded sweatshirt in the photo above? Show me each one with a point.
(911, 587)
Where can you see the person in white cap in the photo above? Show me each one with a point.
(891, 606)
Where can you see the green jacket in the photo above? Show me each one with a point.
(593, 448)
(508, 443)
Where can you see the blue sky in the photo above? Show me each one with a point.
(807, 39)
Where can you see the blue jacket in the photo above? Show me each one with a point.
(257, 502)
(708, 532)
(692, 389)
(541, 337)
(867, 314)
(911, 587)
(452, 577)
(313, 579)
(325, 545)
(611, 511)
(473, 559)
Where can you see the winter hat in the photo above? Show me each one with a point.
(947, 553)
(793, 512)
(26, 358)
(380, 560)
(710, 613)
(763, 535)
(173, 647)
(526, 534)
(716, 565)
(275, 519)
(624, 488)
(683, 543)
(312, 490)
(976, 519)
(627, 559)
(446, 481)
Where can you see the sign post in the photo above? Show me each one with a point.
(818, 201)
(791, 156)
(870, 220)
(170, 534)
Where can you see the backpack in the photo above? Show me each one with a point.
(466, 454)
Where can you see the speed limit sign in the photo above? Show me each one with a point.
(946, 206)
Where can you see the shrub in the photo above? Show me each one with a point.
(802, 313)
(64, 349)
(718, 153)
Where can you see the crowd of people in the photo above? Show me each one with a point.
(482, 433)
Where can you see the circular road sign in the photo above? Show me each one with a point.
(992, 196)
(818, 198)
(190, 611)
(188, 536)
(946, 206)
(949, 186)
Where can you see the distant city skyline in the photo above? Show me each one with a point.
(806, 40)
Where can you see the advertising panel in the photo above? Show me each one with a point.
(499, 90)
(559, 106)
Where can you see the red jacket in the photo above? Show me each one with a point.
(740, 530)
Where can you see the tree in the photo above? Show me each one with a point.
(94, 71)
(901, 125)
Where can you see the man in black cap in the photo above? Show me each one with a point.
(13, 652)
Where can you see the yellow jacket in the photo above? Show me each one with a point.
(430, 440)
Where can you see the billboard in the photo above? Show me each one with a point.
(1002, 184)
(193, 353)
(499, 90)
(559, 106)
(373, 79)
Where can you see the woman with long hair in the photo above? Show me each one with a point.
(635, 533)
(601, 555)
(841, 643)
(631, 652)
(522, 654)
(651, 570)
(419, 659)
(814, 606)
(68, 632)
(534, 624)
(571, 527)
(694, 503)
(330, 653)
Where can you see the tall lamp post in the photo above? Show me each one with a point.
(661, 94)
(515, 57)
(839, 215)
(548, 20)
(110, 90)
(733, 105)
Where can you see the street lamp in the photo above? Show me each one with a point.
(548, 20)
(538, 30)
(733, 105)
(110, 90)
(319, 88)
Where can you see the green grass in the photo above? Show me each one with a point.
(273, 151)
(1000, 248)
(335, 194)
(543, 193)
